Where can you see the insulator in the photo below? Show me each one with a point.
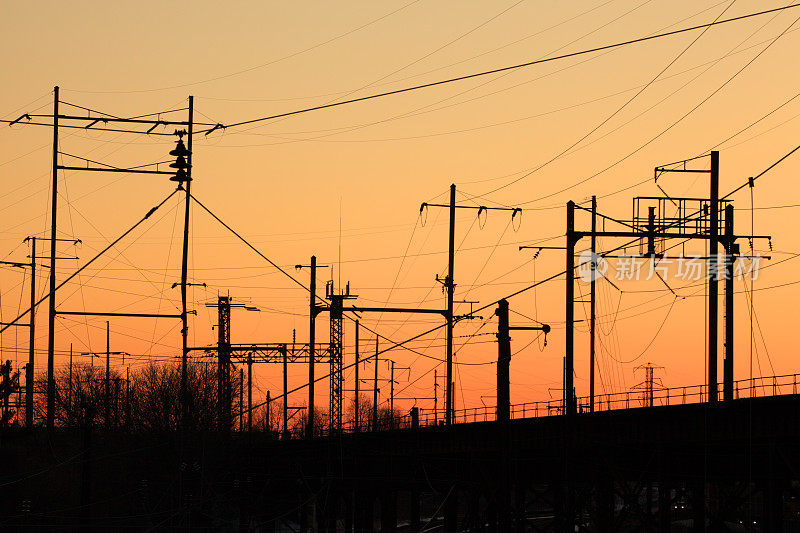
(180, 163)
(180, 176)
(180, 149)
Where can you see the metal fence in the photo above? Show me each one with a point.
(745, 388)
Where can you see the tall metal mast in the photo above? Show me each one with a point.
(51, 318)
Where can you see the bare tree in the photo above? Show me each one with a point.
(151, 402)
(364, 413)
(297, 427)
(155, 397)
(80, 396)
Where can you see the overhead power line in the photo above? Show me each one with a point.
(261, 65)
(93, 259)
(501, 69)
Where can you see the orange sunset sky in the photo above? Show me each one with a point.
(346, 183)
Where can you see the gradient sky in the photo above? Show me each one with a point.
(289, 185)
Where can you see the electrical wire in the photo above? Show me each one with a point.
(669, 127)
(616, 111)
(261, 65)
(506, 68)
(85, 265)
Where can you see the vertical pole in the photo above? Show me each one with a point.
(503, 362)
(356, 402)
(592, 305)
(312, 318)
(69, 401)
(569, 398)
(223, 363)
(184, 274)
(107, 403)
(31, 342)
(713, 274)
(503, 415)
(241, 399)
(269, 413)
(51, 319)
(564, 385)
(19, 397)
(453, 387)
(391, 398)
(6, 371)
(127, 396)
(435, 398)
(375, 390)
(450, 292)
(285, 395)
(116, 401)
(727, 369)
(249, 393)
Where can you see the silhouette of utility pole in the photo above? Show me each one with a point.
(32, 340)
(336, 310)
(650, 381)
(223, 363)
(31, 325)
(250, 354)
(435, 397)
(356, 401)
(375, 388)
(337, 356)
(592, 303)
(392, 381)
(224, 305)
(703, 224)
(249, 393)
(241, 400)
(51, 317)
(592, 295)
(313, 311)
(503, 412)
(183, 176)
(9, 384)
(391, 396)
(285, 395)
(50, 420)
(504, 357)
(69, 395)
(449, 286)
(269, 413)
(108, 375)
(731, 251)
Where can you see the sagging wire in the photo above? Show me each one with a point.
(514, 213)
(482, 209)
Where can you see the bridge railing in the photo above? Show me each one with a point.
(664, 396)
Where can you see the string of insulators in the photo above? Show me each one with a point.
(181, 153)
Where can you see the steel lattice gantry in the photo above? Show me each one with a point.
(273, 352)
(281, 352)
(337, 377)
